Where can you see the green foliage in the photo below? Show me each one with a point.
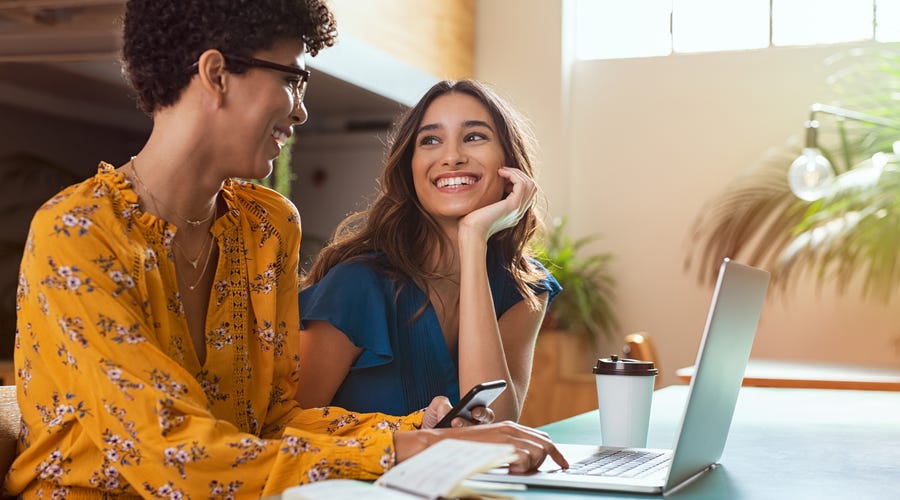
(854, 231)
(282, 173)
(585, 304)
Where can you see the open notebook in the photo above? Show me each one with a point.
(722, 357)
(438, 472)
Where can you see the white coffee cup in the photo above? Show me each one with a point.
(624, 396)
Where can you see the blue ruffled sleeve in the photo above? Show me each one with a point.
(548, 284)
(357, 301)
(504, 290)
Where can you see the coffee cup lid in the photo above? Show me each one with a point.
(614, 365)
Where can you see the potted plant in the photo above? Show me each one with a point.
(585, 304)
(853, 229)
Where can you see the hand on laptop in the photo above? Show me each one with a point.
(532, 446)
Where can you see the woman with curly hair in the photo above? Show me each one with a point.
(157, 346)
(431, 290)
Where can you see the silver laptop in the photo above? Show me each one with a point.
(721, 359)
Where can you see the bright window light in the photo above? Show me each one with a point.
(707, 25)
(810, 22)
(887, 28)
(611, 29)
(614, 29)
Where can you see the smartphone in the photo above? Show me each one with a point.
(482, 394)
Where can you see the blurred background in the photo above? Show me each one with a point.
(644, 116)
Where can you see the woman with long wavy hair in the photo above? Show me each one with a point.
(431, 290)
(157, 348)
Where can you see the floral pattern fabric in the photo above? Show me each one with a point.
(114, 399)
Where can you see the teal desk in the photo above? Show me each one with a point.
(784, 443)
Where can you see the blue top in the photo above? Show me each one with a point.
(404, 364)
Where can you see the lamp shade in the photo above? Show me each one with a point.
(810, 175)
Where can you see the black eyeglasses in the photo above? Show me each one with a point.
(298, 87)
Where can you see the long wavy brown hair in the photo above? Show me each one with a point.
(397, 225)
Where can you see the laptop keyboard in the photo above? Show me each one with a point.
(620, 463)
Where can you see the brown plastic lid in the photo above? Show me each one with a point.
(614, 365)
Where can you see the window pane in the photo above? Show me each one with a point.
(609, 29)
(808, 22)
(888, 21)
(705, 25)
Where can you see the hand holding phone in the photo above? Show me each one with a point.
(482, 394)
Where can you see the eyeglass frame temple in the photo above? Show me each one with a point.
(304, 74)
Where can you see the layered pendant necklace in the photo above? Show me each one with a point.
(208, 241)
(195, 262)
(192, 222)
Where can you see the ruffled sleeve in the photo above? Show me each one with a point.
(548, 284)
(358, 301)
(504, 290)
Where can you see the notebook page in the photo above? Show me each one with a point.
(344, 489)
(441, 468)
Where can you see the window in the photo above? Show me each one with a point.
(811, 22)
(703, 25)
(887, 22)
(611, 29)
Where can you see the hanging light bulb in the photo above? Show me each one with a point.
(811, 173)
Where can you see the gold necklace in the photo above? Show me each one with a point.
(193, 262)
(156, 203)
(196, 260)
(202, 271)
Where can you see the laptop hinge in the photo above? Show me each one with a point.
(690, 479)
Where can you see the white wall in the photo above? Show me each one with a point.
(518, 49)
(634, 148)
(348, 166)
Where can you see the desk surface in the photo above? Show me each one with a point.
(813, 375)
(784, 443)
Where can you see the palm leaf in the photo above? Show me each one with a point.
(853, 232)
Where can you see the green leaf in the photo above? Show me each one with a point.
(585, 304)
(853, 232)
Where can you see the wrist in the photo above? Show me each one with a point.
(408, 444)
(471, 241)
(469, 229)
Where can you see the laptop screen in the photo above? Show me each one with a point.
(719, 370)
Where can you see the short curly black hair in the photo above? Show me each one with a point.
(163, 38)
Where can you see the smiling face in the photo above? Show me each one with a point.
(456, 157)
(262, 110)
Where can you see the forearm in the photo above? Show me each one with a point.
(481, 352)
(408, 444)
(326, 355)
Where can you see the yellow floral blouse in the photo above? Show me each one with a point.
(114, 400)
